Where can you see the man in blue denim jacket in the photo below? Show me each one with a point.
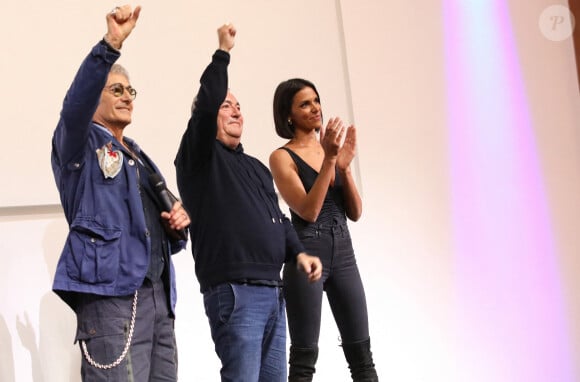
(115, 270)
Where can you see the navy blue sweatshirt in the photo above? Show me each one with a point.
(238, 231)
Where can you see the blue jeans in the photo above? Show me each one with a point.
(248, 327)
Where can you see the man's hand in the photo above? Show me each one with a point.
(226, 37)
(310, 265)
(176, 219)
(120, 23)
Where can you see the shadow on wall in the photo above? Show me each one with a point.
(59, 357)
(27, 336)
(48, 339)
(6, 355)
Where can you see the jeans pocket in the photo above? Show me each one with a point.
(220, 303)
(226, 302)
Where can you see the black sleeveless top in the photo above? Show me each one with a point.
(332, 212)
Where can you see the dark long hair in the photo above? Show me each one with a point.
(283, 97)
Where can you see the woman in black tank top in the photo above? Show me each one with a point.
(314, 178)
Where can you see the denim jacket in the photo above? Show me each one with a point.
(108, 247)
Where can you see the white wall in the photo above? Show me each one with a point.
(389, 75)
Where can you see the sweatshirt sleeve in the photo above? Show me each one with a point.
(293, 244)
(200, 134)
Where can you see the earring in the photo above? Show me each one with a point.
(289, 122)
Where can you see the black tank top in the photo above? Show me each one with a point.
(332, 212)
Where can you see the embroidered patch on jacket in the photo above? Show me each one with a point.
(110, 160)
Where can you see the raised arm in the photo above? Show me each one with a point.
(200, 134)
(83, 95)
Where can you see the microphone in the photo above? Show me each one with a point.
(166, 198)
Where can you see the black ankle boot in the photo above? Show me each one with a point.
(360, 361)
(302, 361)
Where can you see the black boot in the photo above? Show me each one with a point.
(360, 361)
(302, 361)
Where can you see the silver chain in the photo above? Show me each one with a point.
(125, 350)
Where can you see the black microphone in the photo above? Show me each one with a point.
(166, 198)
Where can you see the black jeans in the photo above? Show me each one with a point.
(340, 280)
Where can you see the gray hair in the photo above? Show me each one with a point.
(118, 69)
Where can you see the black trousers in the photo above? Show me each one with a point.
(340, 280)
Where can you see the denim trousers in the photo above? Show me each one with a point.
(248, 327)
(103, 323)
(340, 280)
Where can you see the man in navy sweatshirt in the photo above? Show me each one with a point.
(240, 237)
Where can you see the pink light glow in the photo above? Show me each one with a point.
(511, 308)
